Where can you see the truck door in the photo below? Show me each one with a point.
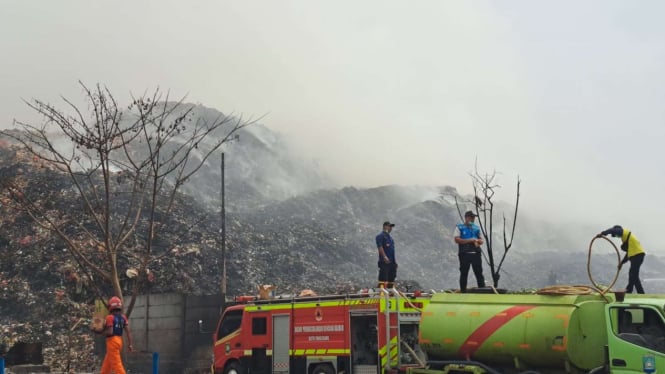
(364, 343)
(260, 343)
(228, 339)
(636, 339)
(281, 342)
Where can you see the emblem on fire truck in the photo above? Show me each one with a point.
(318, 314)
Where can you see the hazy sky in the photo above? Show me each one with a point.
(567, 94)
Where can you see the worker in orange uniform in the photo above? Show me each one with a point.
(115, 325)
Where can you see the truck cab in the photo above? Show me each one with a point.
(636, 335)
(228, 340)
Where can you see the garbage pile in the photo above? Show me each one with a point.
(46, 295)
(321, 241)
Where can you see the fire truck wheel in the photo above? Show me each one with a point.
(233, 368)
(323, 369)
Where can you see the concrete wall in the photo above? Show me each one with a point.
(168, 324)
(198, 345)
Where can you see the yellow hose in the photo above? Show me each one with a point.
(588, 266)
(586, 290)
(566, 290)
(407, 300)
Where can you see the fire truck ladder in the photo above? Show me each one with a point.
(387, 294)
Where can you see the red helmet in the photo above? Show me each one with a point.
(115, 303)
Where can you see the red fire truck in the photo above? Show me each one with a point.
(350, 334)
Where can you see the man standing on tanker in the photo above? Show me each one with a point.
(634, 254)
(467, 236)
(387, 264)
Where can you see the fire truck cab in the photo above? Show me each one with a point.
(350, 334)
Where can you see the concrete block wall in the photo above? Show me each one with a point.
(168, 324)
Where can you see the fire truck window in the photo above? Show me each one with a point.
(259, 326)
(230, 323)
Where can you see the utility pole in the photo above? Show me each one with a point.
(223, 229)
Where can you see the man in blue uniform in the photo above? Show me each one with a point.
(467, 236)
(387, 263)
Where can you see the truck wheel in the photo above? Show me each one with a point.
(323, 369)
(233, 368)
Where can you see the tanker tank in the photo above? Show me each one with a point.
(565, 332)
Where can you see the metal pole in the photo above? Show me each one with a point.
(155, 362)
(146, 328)
(223, 221)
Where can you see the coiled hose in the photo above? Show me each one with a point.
(588, 266)
(586, 290)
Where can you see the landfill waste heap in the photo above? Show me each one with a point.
(317, 238)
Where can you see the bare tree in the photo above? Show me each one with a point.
(126, 167)
(484, 189)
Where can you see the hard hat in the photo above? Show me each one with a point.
(115, 303)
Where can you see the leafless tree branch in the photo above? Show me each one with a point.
(125, 166)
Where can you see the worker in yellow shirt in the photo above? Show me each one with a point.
(634, 253)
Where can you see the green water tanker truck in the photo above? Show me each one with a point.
(512, 333)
